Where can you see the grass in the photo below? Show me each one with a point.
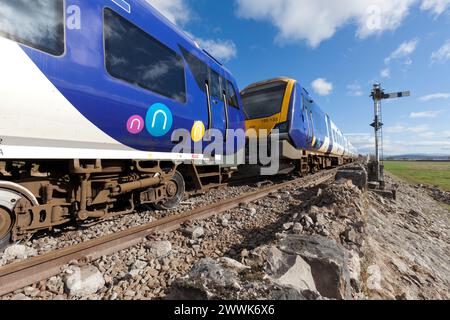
(429, 173)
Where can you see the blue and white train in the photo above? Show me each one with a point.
(109, 80)
(308, 139)
(104, 79)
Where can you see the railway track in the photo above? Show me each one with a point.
(21, 274)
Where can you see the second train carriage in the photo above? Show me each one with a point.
(309, 139)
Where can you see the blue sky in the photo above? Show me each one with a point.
(337, 50)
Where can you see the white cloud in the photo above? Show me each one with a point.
(435, 96)
(403, 51)
(399, 128)
(363, 142)
(385, 73)
(436, 6)
(355, 90)
(425, 114)
(441, 55)
(427, 135)
(316, 21)
(322, 87)
(224, 50)
(176, 11)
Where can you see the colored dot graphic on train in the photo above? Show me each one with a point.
(135, 124)
(159, 120)
(198, 131)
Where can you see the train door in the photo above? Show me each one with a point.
(330, 134)
(216, 102)
(311, 118)
(210, 82)
(308, 123)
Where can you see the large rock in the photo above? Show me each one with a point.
(327, 260)
(358, 177)
(219, 280)
(289, 270)
(203, 280)
(84, 281)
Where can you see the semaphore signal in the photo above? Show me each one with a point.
(376, 170)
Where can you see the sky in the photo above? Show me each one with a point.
(337, 50)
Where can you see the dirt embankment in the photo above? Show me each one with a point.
(340, 243)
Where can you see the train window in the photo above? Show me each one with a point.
(136, 57)
(198, 68)
(38, 24)
(232, 96)
(319, 122)
(215, 85)
(264, 101)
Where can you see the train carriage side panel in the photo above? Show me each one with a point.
(114, 67)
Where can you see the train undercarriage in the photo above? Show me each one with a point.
(40, 195)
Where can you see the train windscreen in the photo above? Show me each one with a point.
(263, 101)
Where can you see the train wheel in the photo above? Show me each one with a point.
(175, 190)
(6, 225)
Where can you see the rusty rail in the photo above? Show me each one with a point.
(21, 274)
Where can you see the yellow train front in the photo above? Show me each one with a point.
(308, 139)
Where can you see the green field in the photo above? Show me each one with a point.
(430, 173)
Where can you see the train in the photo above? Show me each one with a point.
(308, 139)
(93, 94)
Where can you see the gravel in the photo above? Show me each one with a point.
(125, 275)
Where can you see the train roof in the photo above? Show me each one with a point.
(261, 83)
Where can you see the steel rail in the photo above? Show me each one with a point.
(22, 274)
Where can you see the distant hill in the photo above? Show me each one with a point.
(420, 157)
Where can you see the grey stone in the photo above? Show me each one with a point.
(84, 281)
(319, 218)
(225, 223)
(18, 251)
(354, 268)
(289, 270)
(291, 294)
(20, 296)
(194, 233)
(358, 177)
(139, 265)
(159, 249)
(298, 228)
(205, 277)
(307, 221)
(31, 292)
(288, 226)
(233, 264)
(374, 278)
(328, 262)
